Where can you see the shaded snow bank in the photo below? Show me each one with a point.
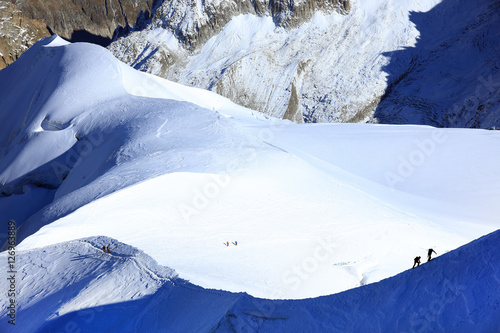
(75, 284)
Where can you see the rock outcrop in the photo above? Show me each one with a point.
(194, 22)
(330, 60)
(17, 33)
(169, 41)
(85, 20)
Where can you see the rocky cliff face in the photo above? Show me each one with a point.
(329, 61)
(195, 22)
(17, 33)
(451, 78)
(181, 31)
(91, 20)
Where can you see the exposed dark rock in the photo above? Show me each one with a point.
(287, 13)
(84, 20)
(17, 33)
(195, 22)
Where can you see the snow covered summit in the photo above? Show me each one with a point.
(90, 147)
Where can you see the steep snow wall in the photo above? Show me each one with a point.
(451, 77)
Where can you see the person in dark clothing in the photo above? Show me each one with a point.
(416, 261)
(429, 254)
(104, 249)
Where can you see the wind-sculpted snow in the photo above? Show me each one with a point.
(69, 277)
(89, 124)
(229, 198)
(76, 286)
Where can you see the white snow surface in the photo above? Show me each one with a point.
(91, 147)
(74, 286)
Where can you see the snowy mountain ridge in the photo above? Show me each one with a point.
(94, 148)
(206, 204)
(74, 285)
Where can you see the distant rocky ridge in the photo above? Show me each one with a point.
(150, 47)
(302, 60)
(17, 33)
(84, 20)
(330, 61)
(195, 22)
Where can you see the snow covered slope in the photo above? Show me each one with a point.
(90, 146)
(432, 62)
(74, 286)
